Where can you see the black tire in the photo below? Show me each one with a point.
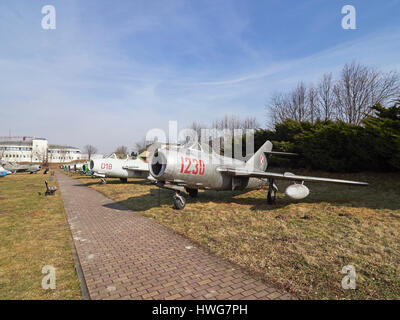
(192, 192)
(179, 202)
(124, 180)
(269, 198)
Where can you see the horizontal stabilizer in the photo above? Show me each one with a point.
(282, 153)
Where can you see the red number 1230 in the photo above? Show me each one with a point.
(199, 166)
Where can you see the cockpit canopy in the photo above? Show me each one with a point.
(200, 146)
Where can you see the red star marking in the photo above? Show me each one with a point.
(262, 159)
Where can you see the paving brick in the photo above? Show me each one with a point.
(134, 257)
(274, 295)
(173, 297)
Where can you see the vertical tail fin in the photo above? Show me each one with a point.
(259, 160)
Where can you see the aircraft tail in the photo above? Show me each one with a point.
(259, 160)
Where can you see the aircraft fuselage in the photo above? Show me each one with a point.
(117, 168)
(198, 170)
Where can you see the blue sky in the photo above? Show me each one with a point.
(114, 69)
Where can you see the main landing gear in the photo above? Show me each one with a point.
(103, 181)
(192, 192)
(272, 190)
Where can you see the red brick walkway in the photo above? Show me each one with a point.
(127, 256)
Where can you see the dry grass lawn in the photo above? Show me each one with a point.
(33, 233)
(300, 246)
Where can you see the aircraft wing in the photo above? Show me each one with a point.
(99, 175)
(135, 168)
(283, 176)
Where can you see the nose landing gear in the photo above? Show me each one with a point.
(179, 201)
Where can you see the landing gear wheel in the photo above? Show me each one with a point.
(124, 180)
(192, 192)
(103, 181)
(179, 201)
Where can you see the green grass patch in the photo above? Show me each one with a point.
(34, 233)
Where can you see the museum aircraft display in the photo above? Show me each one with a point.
(199, 167)
(77, 166)
(112, 167)
(15, 167)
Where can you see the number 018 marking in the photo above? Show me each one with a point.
(192, 166)
(107, 166)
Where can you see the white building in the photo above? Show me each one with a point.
(37, 150)
(85, 156)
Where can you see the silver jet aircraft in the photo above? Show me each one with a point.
(15, 167)
(112, 167)
(196, 167)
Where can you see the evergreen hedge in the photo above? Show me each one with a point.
(337, 146)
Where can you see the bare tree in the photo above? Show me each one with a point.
(121, 151)
(279, 108)
(90, 150)
(250, 123)
(290, 106)
(326, 98)
(196, 127)
(299, 106)
(230, 123)
(141, 145)
(348, 99)
(361, 87)
(229, 130)
(312, 101)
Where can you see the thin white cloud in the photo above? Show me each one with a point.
(85, 93)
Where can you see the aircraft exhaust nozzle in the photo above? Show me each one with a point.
(91, 165)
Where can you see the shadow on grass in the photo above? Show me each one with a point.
(372, 197)
(159, 197)
(112, 182)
